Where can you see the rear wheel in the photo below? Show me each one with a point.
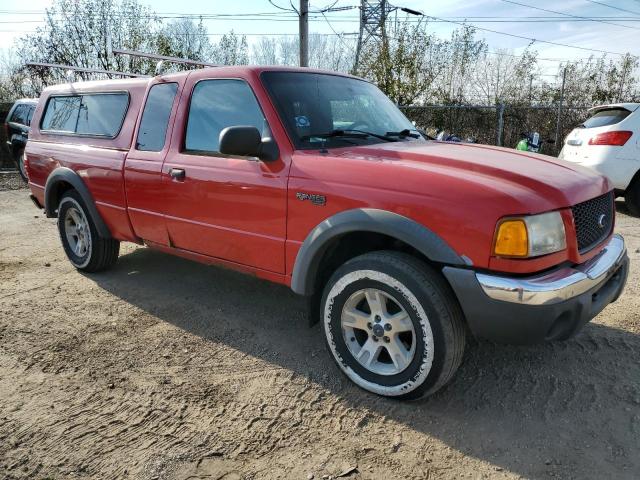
(19, 158)
(85, 248)
(393, 325)
(632, 197)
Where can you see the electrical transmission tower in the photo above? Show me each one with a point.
(373, 18)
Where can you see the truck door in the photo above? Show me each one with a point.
(228, 207)
(142, 171)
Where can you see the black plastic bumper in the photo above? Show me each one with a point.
(518, 323)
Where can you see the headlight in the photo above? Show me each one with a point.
(530, 236)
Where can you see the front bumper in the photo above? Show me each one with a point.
(550, 306)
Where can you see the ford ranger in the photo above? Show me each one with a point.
(317, 181)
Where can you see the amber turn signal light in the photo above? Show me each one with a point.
(511, 239)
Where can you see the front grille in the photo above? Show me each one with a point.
(593, 220)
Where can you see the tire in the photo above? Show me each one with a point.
(19, 159)
(632, 197)
(85, 248)
(426, 347)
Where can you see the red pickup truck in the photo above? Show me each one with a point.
(317, 181)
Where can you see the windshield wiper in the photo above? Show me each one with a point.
(349, 133)
(403, 134)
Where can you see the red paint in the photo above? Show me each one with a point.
(244, 214)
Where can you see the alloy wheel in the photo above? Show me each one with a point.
(378, 331)
(76, 229)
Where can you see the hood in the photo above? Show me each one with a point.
(532, 183)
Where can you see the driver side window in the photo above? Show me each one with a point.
(217, 104)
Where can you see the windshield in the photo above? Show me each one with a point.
(325, 111)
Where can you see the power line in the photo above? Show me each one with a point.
(239, 34)
(465, 23)
(292, 9)
(290, 13)
(567, 14)
(290, 16)
(316, 17)
(531, 39)
(334, 31)
(615, 8)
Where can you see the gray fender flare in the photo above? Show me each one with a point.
(388, 223)
(66, 175)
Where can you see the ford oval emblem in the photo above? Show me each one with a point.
(601, 220)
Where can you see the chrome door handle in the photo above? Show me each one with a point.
(177, 173)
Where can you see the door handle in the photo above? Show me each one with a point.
(177, 173)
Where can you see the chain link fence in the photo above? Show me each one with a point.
(501, 124)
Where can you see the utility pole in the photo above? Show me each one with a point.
(564, 79)
(303, 17)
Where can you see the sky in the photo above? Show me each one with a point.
(617, 29)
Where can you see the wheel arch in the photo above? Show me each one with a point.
(366, 221)
(634, 180)
(62, 179)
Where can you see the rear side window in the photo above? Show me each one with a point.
(604, 118)
(217, 104)
(99, 114)
(61, 114)
(20, 115)
(155, 117)
(30, 115)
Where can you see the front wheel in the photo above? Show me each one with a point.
(393, 325)
(85, 248)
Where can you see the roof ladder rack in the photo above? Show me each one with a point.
(161, 59)
(70, 69)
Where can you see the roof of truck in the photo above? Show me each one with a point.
(27, 100)
(94, 85)
(142, 82)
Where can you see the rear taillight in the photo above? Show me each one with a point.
(617, 139)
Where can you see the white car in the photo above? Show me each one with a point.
(609, 142)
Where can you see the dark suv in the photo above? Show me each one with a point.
(17, 130)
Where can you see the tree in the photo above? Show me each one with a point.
(82, 32)
(231, 50)
(397, 64)
(597, 80)
(503, 77)
(411, 65)
(281, 50)
(265, 52)
(460, 55)
(184, 38)
(331, 52)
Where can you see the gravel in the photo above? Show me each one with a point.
(11, 181)
(164, 368)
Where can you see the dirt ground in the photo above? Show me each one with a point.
(166, 369)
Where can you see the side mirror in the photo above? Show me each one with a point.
(247, 141)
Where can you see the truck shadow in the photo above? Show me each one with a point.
(568, 409)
